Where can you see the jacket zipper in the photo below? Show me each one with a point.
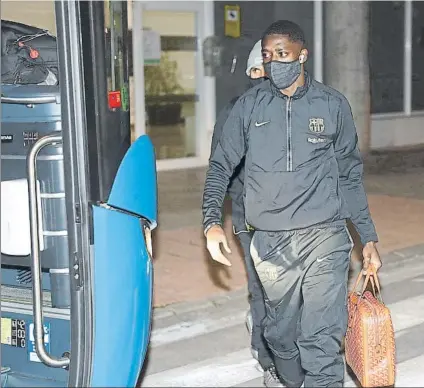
(289, 135)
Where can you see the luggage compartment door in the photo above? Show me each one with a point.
(123, 273)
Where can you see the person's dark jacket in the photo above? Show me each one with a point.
(235, 187)
(302, 162)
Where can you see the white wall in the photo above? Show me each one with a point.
(39, 14)
(396, 131)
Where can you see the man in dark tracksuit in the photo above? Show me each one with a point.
(303, 180)
(256, 314)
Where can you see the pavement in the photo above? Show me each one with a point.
(184, 270)
(199, 338)
(206, 344)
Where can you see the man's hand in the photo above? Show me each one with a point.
(214, 237)
(371, 257)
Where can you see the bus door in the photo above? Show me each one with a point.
(76, 298)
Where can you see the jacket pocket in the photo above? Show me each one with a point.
(292, 200)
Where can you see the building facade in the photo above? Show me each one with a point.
(175, 100)
(396, 58)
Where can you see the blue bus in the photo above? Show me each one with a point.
(79, 203)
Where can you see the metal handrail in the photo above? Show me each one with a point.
(40, 348)
(29, 100)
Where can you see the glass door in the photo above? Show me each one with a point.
(170, 82)
(171, 79)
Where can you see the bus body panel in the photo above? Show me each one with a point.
(96, 251)
(135, 186)
(122, 298)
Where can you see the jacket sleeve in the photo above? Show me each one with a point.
(227, 152)
(351, 173)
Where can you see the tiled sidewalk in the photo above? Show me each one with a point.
(184, 271)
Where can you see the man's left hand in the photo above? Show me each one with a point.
(371, 257)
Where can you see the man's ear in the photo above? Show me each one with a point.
(303, 57)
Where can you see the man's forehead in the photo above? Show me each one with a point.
(273, 41)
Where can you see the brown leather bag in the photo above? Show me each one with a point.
(370, 339)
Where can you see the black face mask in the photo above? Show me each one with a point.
(283, 74)
(254, 82)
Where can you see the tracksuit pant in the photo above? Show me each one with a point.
(304, 275)
(257, 303)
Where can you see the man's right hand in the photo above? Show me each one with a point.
(215, 236)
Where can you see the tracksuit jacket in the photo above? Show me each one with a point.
(235, 187)
(302, 162)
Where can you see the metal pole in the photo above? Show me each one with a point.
(138, 69)
(318, 40)
(44, 356)
(407, 60)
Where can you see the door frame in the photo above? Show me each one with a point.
(71, 50)
(205, 85)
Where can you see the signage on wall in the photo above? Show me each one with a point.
(232, 21)
(151, 47)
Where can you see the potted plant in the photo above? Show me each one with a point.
(161, 82)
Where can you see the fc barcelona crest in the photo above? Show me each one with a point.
(316, 125)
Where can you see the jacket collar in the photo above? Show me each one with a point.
(299, 93)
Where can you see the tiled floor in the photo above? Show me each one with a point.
(176, 140)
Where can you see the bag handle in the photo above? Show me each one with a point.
(370, 276)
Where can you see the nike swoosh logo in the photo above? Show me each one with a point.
(260, 124)
(319, 260)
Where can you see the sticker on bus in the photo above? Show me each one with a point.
(6, 138)
(13, 332)
(31, 345)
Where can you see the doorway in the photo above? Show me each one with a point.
(179, 108)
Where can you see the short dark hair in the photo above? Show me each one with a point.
(287, 28)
